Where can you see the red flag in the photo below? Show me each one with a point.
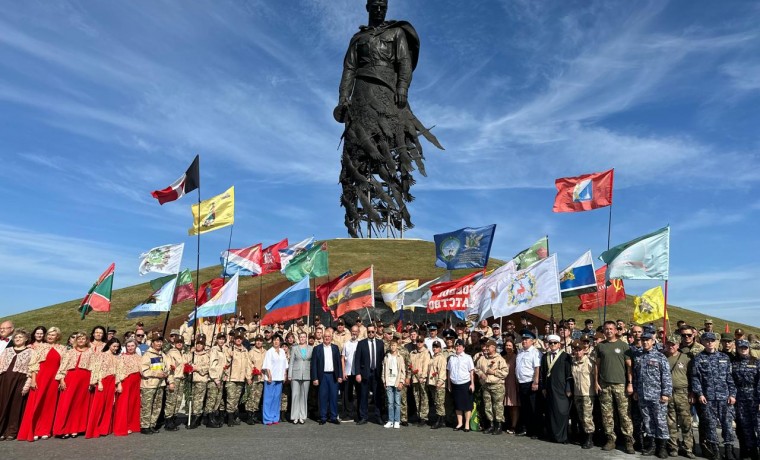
(615, 292)
(209, 290)
(452, 295)
(270, 257)
(352, 293)
(323, 290)
(188, 182)
(584, 193)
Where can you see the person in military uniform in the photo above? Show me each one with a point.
(253, 403)
(653, 388)
(689, 344)
(156, 376)
(679, 409)
(341, 335)
(176, 360)
(420, 368)
(254, 327)
(484, 329)
(238, 373)
(436, 380)
(214, 388)
(449, 338)
(491, 370)
(583, 392)
(746, 375)
(727, 345)
(197, 367)
(713, 387)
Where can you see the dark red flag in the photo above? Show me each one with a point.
(323, 290)
(615, 292)
(270, 257)
(208, 290)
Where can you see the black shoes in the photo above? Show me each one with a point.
(361, 422)
(146, 431)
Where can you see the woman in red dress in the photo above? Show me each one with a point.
(14, 384)
(97, 339)
(100, 420)
(43, 397)
(74, 382)
(127, 408)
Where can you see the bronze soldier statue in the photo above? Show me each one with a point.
(381, 133)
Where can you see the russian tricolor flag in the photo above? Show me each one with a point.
(292, 303)
(245, 262)
(579, 277)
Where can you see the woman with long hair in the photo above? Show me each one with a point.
(511, 390)
(127, 407)
(43, 396)
(37, 336)
(103, 378)
(275, 368)
(74, 382)
(97, 339)
(299, 371)
(14, 384)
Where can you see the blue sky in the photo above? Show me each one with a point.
(102, 102)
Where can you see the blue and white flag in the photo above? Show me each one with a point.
(158, 303)
(287, 254)
(579, 277)
(525, 289)
(464, 248)
(485, 291)
(645, 258)
(223, 303)
(245, 261)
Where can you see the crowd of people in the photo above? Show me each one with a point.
(637, 384)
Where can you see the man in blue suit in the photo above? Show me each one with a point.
(368, 367)
(327, 374)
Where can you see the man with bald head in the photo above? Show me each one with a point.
(6, 332)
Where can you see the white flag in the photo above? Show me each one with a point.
(532, 287)
(287, 254)
(223, 303)
(163, 259)
(485, 291)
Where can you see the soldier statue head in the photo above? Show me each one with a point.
(377, 10)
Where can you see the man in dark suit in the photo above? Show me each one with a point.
(368, 364)
(327, 374)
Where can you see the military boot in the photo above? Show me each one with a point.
(215, 420)
(250, 419)
(728, 452)
(230, 418)
(709, 451)
(753, 454)
(169, 424)
(629, 445)
(610, 445)
(647, 446)
(488, 430)
(662, 451)
(588, 443)
(235, 420)
(497, 430)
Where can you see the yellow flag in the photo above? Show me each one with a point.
(392, 292)
(216, 212)
(649, 307)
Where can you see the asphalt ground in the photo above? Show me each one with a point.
(308, 441)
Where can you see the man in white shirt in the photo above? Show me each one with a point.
(526, 370)
(6, 332)
(433, 337)
(327, 374)
(349, 385)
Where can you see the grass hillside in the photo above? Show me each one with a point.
(392, 259)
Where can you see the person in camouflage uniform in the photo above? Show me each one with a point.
(253, 403)
(156, 376)
(214, 388)
(238, 373)
(491, 371)
(436, 380)
(583, 391)
(449, 336)
(404, 353)
(746, 375)
(613, 385)
(176, 360)
(679, 409)
(196, 369)
(420, 367)
(653, 388)
(714, 388)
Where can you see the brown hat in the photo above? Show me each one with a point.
(389, 330)
(576, 344)
(156, 337)
(201, 340)
(221, 335)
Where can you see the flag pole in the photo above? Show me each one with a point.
(609, 236)
(195, 306)
(665, 311)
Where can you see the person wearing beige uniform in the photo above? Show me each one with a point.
(156, 376)
(436, 380)
(238, 373)
(583, 391)
(216, 376)
(256, 357)
(491, 370)
(420, 368)
(197, 369)
(176, 361)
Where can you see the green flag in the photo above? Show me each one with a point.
(98, 298)
(539, 251)
(645, 258)
(312, 263)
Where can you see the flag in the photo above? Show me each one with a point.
(270, 257)
(579, 277)
(223, 302)
(323, 290)
(392, 292)
(527, 257)
(208, 290)
(184, 289)
(287, 254)
(645, 258)
(528, 288)
(615, 292)
(464, 248)
(452, 295)
(245, 261)
(188, 182)
(292, 303)
(163, 259)
(485, 290)
(98, 298)
(157, 363)
(352, 293)
(214, 213)
(418, 298)
(310, 264)
(584, 193)
(649, 307)
(159, 302)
